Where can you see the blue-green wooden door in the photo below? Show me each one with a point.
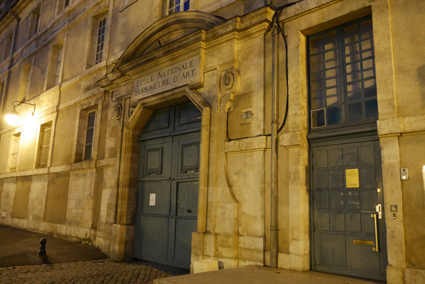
(346, 188)
(167, 195)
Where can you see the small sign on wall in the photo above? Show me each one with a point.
(352, 178)
(152, 199)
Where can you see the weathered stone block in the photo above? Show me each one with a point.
(251, 255)
(249, 242)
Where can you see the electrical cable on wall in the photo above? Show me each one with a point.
(280, 29)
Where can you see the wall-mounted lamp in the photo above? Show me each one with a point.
(13, 117)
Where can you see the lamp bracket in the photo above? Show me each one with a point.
(17, 103)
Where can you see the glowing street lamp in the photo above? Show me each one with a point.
(13, 117)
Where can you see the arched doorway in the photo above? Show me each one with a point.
(167, 185)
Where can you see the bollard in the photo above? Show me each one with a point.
(42, 251)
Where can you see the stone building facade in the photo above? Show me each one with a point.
(145, 130)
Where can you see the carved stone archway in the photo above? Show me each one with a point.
(123, 230)
(179, 33)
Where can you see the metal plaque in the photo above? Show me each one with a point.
(361, 242)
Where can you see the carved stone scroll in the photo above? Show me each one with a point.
(230, 82)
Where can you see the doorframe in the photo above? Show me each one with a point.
(338, 140)
(127, 187)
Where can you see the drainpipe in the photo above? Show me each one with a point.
(276, 29)
(274, 152)
(12, 51)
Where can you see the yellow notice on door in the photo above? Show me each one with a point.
(352, 178)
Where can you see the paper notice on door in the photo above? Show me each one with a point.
(352, 178)
(152, 199)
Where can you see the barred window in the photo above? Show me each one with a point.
(100, 40)
(342, 79)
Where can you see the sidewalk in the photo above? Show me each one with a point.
(19, 247)
(66, 262)
(258, 274)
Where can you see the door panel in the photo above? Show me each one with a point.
(183, 241)
(344, 206)
(186, 155)
(154, 156)
(153, 200)
(185, 222)
(185, 173)
(151, 238)
(158, 190)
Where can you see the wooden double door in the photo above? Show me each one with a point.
(348, 223)
(167, 194)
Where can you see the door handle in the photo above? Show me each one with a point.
(375, 219)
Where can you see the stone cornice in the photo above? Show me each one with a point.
(181, 24)
(142, 57)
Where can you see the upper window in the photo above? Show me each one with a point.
(34, 22)
(24, 85)
(85, 143)
(58, 64)
(44, 145)
(14, 150)
(53, 76)
(96, 48)
(175, 6)
(5, 48)
(62, 5)
(88, 147)
(100, 40)
(342, 79)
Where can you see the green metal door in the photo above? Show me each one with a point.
(167, 195)
(348, 232)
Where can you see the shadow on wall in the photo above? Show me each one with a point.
(421, 78)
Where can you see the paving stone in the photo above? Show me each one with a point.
(88, 272)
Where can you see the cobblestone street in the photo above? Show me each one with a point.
(95, 271)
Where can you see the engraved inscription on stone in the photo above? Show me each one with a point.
(176, 75)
